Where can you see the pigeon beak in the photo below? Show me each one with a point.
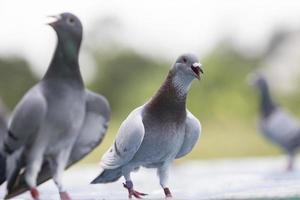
(54, 19)
(197, 69)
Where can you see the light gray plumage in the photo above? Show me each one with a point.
(276, 124)
(91, 134)
(156, 133)
(58, 121)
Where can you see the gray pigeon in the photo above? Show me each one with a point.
(276, 124)
(156, 133)
(57, 122)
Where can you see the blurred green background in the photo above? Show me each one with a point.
(226, 106)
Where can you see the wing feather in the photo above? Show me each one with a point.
(94, 127)
(127, 142)
(192, 133)
(26, 120)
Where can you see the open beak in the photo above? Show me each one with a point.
(197, 69)
(53, 20)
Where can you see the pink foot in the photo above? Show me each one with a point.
(35, 193)
(167, 192)
(64, 196)
(131, 192)
(289, 167)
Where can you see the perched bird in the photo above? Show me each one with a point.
(57, 122)
(156, 133)
(276, 124)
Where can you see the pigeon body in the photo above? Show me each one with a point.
(52, 126)
(156, 133)
(279, 126)
(283, 129)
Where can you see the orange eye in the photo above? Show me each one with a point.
(71, 21)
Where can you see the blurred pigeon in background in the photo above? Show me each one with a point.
(156, 133)
(276, 124)
(57, 122)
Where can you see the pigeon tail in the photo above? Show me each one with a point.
(108, 176)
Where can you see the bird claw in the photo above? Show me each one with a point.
(35, 193)
(136, 194)
(167, 193)
(64, 196)
(125, 186)
(132, 192)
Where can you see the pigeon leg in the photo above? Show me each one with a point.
(131, 192)
(57, 167)
(32, 170)
(290, 164)
(162, 173)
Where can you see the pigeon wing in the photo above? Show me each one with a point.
(192, 133)
(94, 127)
(282, 128)
(26, 120)
(127, 142)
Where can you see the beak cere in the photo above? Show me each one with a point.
(54, 19)
(196, 67)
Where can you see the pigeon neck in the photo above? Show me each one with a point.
(181, 82)
(64, 64)
(267, 104)
(170, 99)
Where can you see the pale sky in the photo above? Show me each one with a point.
(159, 27)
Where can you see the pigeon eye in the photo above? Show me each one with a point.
(71, 21)
(184, 60)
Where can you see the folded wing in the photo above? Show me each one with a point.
(192, 133)
(282, 128)
(127, 142)
(26, 120)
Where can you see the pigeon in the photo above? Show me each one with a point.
(277, 125)
(57, 122)
(156, 133)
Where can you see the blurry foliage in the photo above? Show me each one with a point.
(15, 79)
(127, 79)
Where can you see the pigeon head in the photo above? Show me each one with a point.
(257, 80)
(188, 65)
(68, 28)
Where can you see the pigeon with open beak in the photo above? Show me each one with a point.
(156, 133)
